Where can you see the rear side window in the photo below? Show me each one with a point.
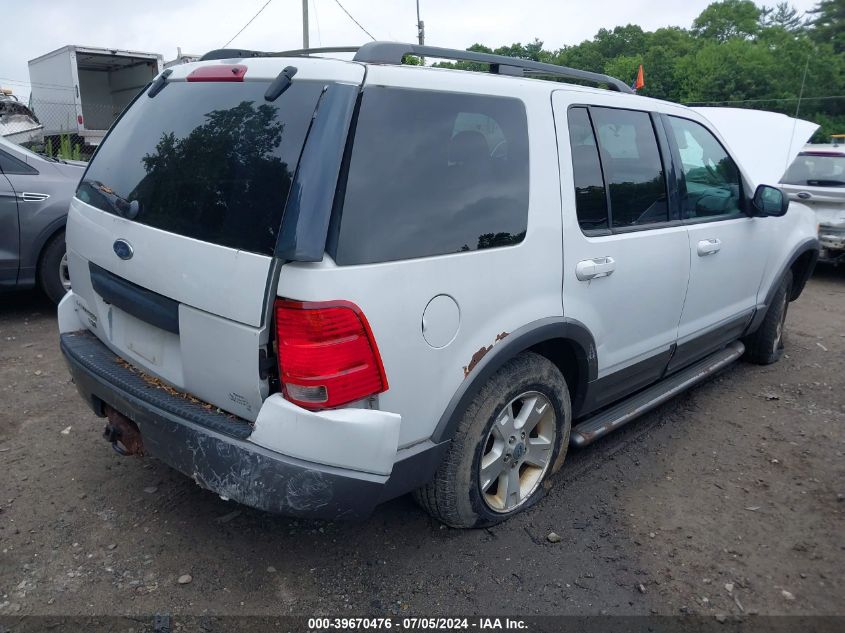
(632, 167)
(211, 161)
(590, 198)
(432, 173)
(712, 185)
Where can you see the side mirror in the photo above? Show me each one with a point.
(769, 201)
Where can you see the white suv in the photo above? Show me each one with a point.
(313, 285)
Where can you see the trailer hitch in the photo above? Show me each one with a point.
(122, 433)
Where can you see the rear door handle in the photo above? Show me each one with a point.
(709, 247)
(594, 268)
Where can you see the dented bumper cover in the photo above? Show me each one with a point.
(215, 450)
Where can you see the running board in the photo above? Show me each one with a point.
(611, 419)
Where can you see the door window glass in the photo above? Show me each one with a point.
(711, 179)
(632, 167)
(590, 197)
(11, 165)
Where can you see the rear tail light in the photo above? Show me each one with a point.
(327, 354)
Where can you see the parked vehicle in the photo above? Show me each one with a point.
(82, 90)
(35, 193)
(313, 285)
(17, 122)
(817, 179)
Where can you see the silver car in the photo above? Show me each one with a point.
(817, 179)
(35, 192)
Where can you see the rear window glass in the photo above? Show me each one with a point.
(816, 170)
(210, 161)
(432, 173)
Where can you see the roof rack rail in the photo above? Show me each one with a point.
(237, 53)
(394, 52)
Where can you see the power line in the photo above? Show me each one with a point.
(317, 20)
(355, 21)
(248, 23)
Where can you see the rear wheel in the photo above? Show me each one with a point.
(53, 276)
(765, 346)
(508, 443)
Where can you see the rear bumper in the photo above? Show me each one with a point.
(214, 449)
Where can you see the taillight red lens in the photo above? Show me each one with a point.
(218, 72)
(327, 353)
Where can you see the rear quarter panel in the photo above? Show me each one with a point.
(497, 290)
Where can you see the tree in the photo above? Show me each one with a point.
(828, 23)
(782, 15)
(728, 19)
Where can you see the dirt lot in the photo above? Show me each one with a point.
(728, 500)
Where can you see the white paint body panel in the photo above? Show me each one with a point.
(634, 312)
(497, 290)
(724, 284)
(358, 439)
(764, 143)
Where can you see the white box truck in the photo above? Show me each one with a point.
(81, 90)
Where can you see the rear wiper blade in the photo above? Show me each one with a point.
(280, 83)
(159, 83)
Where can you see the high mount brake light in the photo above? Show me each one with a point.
(218, 72)
(327, 354)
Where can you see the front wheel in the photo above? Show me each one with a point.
(53, 276)
(765, 346)
(511, 439)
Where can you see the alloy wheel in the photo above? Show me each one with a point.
(517, 451)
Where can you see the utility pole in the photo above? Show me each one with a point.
(305, 24)
(420, 26)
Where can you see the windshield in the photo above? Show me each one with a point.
(817, 170)
(208, 160)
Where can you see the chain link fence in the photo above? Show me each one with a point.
(55, 128)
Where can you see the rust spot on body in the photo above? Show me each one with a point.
(481, 353)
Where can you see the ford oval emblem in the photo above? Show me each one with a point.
(123, 249)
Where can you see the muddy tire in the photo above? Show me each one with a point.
(52, 268)
(765, 346)
(509, 442)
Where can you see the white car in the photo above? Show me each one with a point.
(313, 285)
(817, 179)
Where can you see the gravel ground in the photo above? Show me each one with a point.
(727, 500)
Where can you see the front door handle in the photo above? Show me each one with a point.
(709, 247)
(594, 268)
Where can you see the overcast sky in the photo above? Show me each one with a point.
(34, 27)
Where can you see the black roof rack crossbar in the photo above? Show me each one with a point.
(393, 52)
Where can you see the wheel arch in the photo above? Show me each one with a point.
(801, 261)
(565, 342)
(802, 266)
(44, 237)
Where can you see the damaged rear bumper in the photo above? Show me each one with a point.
(213, 448)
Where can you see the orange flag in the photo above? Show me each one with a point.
(639, 82)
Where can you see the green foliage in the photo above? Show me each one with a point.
(735, 54)
(727, 20)
(828, 23)
(67, 149)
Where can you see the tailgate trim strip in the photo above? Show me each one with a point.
(136, 300)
